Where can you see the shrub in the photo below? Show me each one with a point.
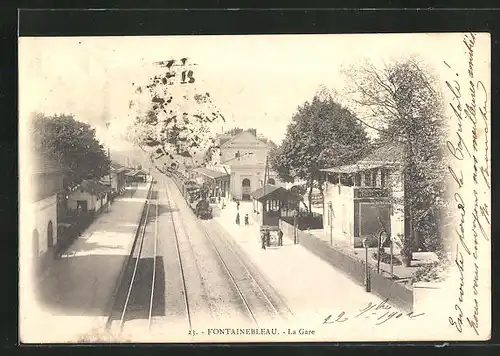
(386, 258)
(432, 272)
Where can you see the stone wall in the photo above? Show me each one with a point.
(398, 295)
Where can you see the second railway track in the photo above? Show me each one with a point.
(136, 295)
(259, 307)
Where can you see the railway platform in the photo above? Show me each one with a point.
(308, 285)
(77, 292)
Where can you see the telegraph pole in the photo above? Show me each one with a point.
(265, 182)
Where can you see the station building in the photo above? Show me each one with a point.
(238, 165)
(356, 196)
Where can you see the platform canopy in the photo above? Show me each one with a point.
(211, 173)
(273, 192)
(137, 172)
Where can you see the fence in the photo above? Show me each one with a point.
(397, 294)
(305, 220)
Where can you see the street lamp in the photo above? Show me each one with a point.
(367, 270)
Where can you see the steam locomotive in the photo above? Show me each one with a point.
(196, 197)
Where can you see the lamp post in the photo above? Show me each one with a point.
(330, 215)
(367, 270)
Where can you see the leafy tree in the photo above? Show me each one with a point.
(177, 122)
(73, 144)
(402, 97)
(322, 133)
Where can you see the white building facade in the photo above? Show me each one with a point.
(41, 215)
(243, 158)
(359, 198)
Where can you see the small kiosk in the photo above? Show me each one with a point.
(272, 202)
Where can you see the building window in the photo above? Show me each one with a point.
(346, 180)
(383, 176)
(50, 234)
(357, 179)
(374, 177)
(368, 179)
(333, 178)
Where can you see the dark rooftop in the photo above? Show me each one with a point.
(94, 187)
(273, 192)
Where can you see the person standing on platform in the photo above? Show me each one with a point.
(263, 239)
(237, 218)
(280, 238)
(237, 205)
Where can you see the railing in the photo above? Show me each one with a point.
(354, 267)
(370, 192)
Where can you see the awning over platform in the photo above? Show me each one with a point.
(211, 173)
(385, 155)
(353, 168)
(138, 172)
(273, 192)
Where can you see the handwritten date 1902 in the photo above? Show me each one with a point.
(381, 311)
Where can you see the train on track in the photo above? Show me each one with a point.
(197, 198)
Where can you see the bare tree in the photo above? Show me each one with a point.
(403, 104)
(178, 118)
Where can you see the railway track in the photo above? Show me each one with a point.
(272, 299)
(130, 303)
(179, 258)
(254, 298)
(202, 288)
(135, 302)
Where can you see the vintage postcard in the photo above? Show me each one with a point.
(281, 188)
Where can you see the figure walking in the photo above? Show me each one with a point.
(237, 218)
(238, 205)
(268, 239)
(246, 219)
(280, 238)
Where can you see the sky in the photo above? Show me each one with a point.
(256, 81)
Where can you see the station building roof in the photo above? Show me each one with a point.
(385, 155)
(211, 173)
(273, 192)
